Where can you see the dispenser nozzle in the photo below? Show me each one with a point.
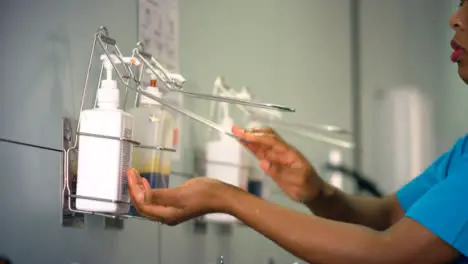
(109, 62)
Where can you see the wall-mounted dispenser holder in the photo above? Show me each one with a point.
(132, 82)
(71, 216)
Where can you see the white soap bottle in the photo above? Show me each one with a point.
(154, 126)
(226, 162)
(102, 162)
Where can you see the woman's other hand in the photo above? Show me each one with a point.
(287, 166)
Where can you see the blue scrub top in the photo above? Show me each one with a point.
(438, 198)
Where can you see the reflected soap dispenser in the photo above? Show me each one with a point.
(103, 161)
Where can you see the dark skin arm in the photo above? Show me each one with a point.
(372, 212)
(318, 240)
(299, 180)
(311, 238)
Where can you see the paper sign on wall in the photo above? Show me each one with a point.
(158, 30)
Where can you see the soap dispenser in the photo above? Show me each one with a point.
(227, 162)
(154, 126)
(105, 150)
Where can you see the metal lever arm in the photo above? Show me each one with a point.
(187, 113)
(321, 138)
(298, 128)
(169, 82)
(103, 42)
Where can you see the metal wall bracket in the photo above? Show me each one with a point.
(69, 218)
(71, 127)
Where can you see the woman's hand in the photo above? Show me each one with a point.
(286, 165)
(172, 206)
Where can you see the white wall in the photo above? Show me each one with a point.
(45, 49)
(402, 44)
(295, 53)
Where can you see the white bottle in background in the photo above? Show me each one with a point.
(226, 162)
(102, 163)
(154, 126)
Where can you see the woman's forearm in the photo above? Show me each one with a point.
(311, 238)
(376, 213)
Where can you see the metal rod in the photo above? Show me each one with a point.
(290, 127)
(97, 199)
(249, 112)
(322, 138)
(108, 137)
(164, 75)
(236, 101)
(133, 142)
(155, 148)
(322, 127)
(90, 63)
(137, 95)
(29, 145)
(189, 114)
